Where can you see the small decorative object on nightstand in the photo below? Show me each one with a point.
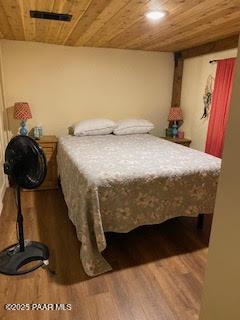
(183, 141)
(22, 112)
(49, 147)
(181, 134)
(37, 132)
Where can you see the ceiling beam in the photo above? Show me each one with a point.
(219, 45)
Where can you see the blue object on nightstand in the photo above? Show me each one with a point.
(23, 128)
(175, 129)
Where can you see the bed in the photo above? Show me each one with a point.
(119, 182)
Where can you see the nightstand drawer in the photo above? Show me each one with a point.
(183, 141)
(45, 145)
(49, 147)
(49, 154)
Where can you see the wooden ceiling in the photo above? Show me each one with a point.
(122, 23)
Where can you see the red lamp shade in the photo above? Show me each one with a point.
(22, 111)
(175, 114)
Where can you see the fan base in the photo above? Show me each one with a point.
(12, 259)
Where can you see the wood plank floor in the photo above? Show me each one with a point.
(158, 270)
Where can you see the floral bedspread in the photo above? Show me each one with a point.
(117, 183)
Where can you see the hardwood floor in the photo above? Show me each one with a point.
(158, 270)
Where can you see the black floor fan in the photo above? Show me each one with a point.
(25, 163)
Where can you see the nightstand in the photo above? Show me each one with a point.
(49, 147)
(183, 141)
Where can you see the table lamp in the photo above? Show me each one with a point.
(175, 114)
(22, 112)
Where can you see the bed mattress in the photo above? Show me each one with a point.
(117, 183)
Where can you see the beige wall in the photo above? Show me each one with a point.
(196, 72)
(222, 288)
(66, 84)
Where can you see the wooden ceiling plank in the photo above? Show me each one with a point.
(203, 41)
(14, 17)
(56, 27)
(192, 45)
(87, 18)
(41, 24)
(220, 45)
(202, 35)
(114, 7)
(143, 29)
(5, 27)
(131, 13)
(210, 38)
(77, 9)
(180, 26)
(182, 16)
(29, 24)
(198, 27)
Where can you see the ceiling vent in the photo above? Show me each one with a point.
(50, 15)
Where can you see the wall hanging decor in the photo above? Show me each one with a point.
(207, 98)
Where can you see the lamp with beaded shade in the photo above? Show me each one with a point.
(22, 112)
(175, 114)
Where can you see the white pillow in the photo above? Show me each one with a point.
(133, 126)
(93, 127)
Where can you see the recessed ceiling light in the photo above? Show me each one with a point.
(156, 15)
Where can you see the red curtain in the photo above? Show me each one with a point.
(220, 107)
